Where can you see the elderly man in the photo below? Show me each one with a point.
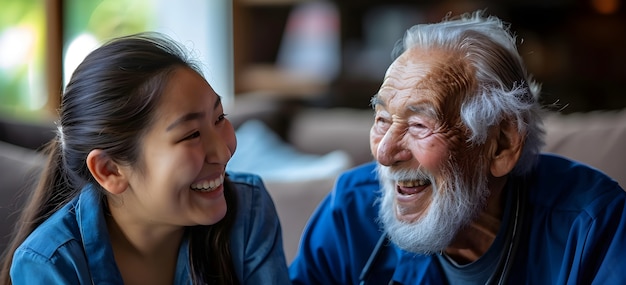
(459, 193)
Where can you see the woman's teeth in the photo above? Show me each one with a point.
(208, 185)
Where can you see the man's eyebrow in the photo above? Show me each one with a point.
(375, 101)
(424, 109)
(193, 116)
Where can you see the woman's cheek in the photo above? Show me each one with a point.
(231, 138)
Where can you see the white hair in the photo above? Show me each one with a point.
(505, 89)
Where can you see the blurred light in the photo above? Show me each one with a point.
(16, 47)
(311, 46)
(605, 6)
(35, 99)
(76, 51)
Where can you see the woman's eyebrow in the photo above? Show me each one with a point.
(194, 116)
(186, 118)
(218, 102)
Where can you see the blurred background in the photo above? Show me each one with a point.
(574, 47)
(279, 61)
(42, 41)
(316, 53)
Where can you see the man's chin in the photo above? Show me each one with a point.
(424, 247)
(412, 208)
(409, 215)
(407, 229)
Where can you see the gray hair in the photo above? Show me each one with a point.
(505, 89)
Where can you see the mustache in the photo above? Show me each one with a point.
(404, 174)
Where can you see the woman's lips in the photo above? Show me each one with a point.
(208, 185)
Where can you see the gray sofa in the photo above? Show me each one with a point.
(596, 138)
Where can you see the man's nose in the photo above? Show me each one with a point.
(392, 148)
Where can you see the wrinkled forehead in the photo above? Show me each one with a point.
(442, 77)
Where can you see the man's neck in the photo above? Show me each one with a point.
(476, 238)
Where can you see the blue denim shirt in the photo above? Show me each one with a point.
(73, 247)
(573, 232)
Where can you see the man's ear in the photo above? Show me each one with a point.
(106, 172)
(507, 148)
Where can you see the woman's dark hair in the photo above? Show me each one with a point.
(108, 104)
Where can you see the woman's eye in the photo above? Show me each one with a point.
(221, 118)
(192, 136)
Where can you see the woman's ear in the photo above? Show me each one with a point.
(106, 172)
(507, 148)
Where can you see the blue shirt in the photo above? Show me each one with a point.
(73, 247)
(573, 232)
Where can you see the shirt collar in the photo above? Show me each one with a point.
(98, 249)
(95, 236)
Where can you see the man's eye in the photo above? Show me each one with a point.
(420, 130)
(381, 120)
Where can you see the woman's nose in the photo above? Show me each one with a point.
(216, 148)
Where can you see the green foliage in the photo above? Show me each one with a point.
(22, 83)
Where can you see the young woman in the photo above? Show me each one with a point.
(135, 189)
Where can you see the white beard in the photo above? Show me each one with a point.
(454, 204)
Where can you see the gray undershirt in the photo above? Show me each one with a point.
(479, 271)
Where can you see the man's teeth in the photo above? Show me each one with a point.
(208, 185)
(413, 183)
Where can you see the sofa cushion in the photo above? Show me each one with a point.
(295, 202)
(19, 168)
(31, 135)
(325, 130)
(595, 138)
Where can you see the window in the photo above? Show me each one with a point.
(31, 77)
(22, 61)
